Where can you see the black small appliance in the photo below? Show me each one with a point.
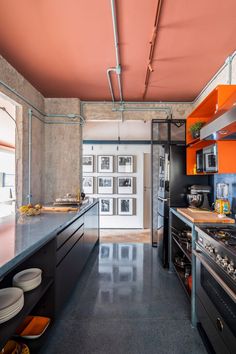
(172, 191)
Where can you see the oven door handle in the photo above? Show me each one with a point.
(163, 199)
(215, 276)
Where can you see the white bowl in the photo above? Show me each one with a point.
(9, 298)
(27, 275)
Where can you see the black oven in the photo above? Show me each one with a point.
(216, 303)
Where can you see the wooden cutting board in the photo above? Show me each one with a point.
(58, 209)
(204, 217)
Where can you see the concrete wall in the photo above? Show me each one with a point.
(12, 78)
(56, 149)
(103, 111)
(62, 149)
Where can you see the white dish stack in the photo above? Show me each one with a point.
(11, 303)
(28, 279)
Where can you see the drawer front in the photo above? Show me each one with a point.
(70, 242)
(67, 273)
(211, 331)
(63, 236)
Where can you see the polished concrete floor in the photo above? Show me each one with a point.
(125, 303)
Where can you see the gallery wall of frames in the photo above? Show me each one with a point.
(114, 174)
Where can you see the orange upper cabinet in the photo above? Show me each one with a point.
(216, 103)
(220, 100)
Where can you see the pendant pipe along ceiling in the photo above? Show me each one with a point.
(117, 69)
(152, 47)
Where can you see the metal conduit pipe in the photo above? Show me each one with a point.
(137, 109)
(227, 62)
(117, 69)
(115, 31)
(110, 84)
(30, 113)
(70, 116)
(122, 108)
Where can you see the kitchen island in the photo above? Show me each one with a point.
(59, 244)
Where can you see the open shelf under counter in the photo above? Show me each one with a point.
(183, 249)
(180, 275)
(31, 299)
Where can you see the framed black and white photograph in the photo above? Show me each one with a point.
(88, 185)
(125, 185)
(125, 164)
(105, 163)
(105, 185)
(88, 163)
(125, 206)
(106, 206)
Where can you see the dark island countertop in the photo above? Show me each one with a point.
(22, 236)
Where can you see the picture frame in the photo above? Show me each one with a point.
(125, 185)
(105, 163)
(88, 184)
(125, 206)
(105, 185)
(125, 163)
(106, 206)
(87, 163)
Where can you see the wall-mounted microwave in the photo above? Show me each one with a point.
(207, 159)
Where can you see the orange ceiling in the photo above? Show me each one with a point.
(64, 47)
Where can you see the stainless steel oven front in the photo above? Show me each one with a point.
(216, 303)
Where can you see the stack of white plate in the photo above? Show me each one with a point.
(11, 302)
(28, 279)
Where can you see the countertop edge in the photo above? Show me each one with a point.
(11, 264)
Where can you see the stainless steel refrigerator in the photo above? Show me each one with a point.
(172, 189)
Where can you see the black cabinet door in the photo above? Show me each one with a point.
(68, 271)
(91, 229)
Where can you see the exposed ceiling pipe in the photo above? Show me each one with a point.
(167, 110)
(69, 116)
(228, 62)
(109, 82)
(152, 48)
(117, 69)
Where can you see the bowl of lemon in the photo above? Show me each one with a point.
(30, 209)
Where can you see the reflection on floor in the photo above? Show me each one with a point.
(125, 303)
(125, 235)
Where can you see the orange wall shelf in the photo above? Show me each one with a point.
(221, 99)
(217, 102)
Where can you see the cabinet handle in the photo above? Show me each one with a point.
(219, 324)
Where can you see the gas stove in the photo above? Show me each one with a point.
(220, 244)
(226, 235)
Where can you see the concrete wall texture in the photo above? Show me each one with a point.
(62, 150)
(57, 149)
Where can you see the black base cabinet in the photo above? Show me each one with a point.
(91, 227)
(73, 254)
(61, 260)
